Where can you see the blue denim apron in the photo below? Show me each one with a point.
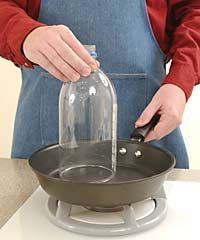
(128, 52)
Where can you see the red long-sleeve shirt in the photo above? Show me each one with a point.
(176, 25)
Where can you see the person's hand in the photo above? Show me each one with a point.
(169, 102)
(57, 50)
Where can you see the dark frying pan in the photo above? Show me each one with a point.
(141, 171)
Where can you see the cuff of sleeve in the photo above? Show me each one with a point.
(20, 29)
(183, 77)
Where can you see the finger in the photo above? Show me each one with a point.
(74, 43)
(98, 64)
(49, 67)
(69, 56)
(163, 128)
(60, 64)
(151, 136)
(147, 114)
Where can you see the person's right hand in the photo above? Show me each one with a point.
(57, 50)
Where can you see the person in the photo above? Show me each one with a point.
(134, 38)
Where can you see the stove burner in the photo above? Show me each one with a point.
(133, 218)
(106, 209)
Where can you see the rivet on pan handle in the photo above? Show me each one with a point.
(140, 133)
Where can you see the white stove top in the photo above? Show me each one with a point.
(182, 222)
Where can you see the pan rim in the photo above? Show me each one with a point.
(109, 183)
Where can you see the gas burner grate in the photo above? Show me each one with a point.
(133, 218)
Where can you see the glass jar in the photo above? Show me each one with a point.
(88, 127)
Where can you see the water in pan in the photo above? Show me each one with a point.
(123, 173)
(132, 172)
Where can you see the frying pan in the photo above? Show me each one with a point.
(141, 171)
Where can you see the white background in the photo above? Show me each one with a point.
(9, 90)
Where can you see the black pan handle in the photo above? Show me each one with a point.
(140, 133)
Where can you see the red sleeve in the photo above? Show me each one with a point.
(184, 34)
(15, 25)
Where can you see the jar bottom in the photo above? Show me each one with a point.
(87, 174)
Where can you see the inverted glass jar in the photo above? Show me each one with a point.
(88, 127)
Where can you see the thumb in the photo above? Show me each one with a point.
(147, 114)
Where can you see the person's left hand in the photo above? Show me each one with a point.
(169, 102)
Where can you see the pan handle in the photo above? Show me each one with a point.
(140, 133)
